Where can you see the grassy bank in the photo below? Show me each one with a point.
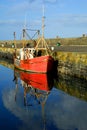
(52, 41)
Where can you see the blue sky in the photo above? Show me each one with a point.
(64, 18)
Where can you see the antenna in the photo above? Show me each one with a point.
(25, 22)
(43, 9)
(24, 29)
(43, 19)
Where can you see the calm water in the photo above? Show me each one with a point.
(62, 106)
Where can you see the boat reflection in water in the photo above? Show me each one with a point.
(27, 100)
(37, 86)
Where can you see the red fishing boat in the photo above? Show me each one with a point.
(29, 58)
(42, 64)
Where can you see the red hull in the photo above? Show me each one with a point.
(42, 64)
(38, 81)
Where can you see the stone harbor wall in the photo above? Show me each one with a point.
(72, 63)
(7, 53)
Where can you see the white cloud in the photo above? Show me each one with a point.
(10, 22)
(50, 1)
(70, 19)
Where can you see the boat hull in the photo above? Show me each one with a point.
(42, 64)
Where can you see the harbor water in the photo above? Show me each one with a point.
(57, 103)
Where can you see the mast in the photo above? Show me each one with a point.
(15, 44)
(24, 37)
(41, 41)
(15, 39)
